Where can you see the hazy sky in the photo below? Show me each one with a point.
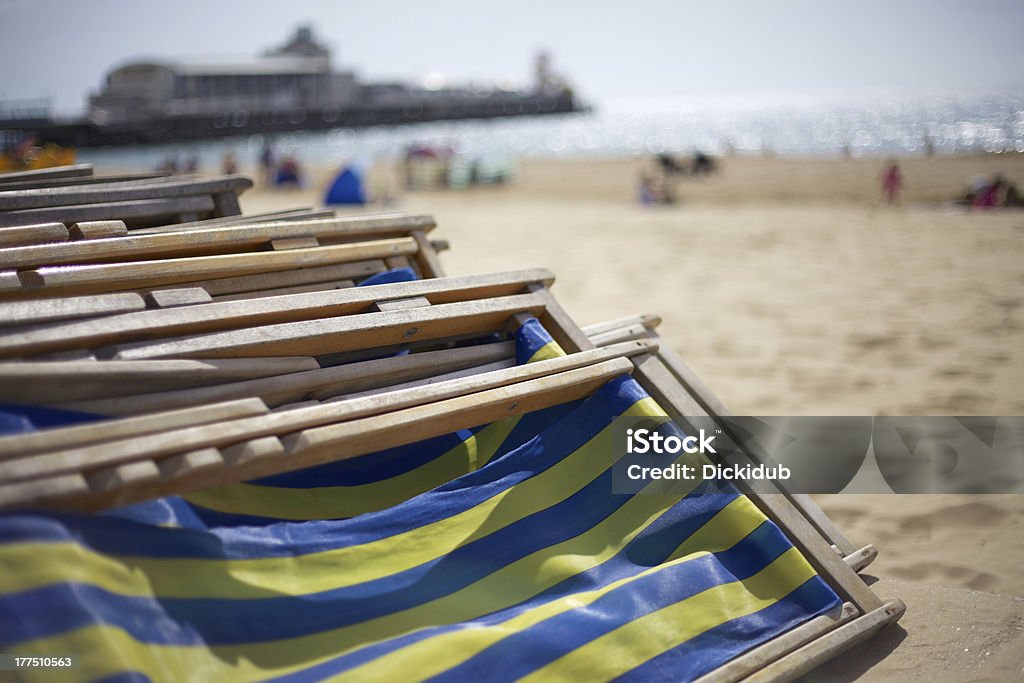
(62, 48)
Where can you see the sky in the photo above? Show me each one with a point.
(61, 49)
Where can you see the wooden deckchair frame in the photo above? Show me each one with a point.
(144, 199)
(98, 257)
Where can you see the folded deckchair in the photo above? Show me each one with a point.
(525, 565)
(276, 256)
(138, 202)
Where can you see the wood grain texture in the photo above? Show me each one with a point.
(127, 190)
(156, 324)
(40, 233)
(315, 383)
(215, 239)
(128, 211)
(23, 445)
(55, 382)
(343, 333)
(94, 230)
(49, 310)
(90, 279)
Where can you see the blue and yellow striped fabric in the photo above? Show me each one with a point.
(525, 566)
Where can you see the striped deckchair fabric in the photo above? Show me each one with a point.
(525, 566)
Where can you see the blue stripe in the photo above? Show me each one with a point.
(234, 621)
(715, 647)
(547, 641)
(679, 582)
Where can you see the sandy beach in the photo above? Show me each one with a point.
(791, 290)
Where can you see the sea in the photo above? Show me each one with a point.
(830, 125)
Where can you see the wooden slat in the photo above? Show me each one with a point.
(247, 219)
(185, 296)
(401, 304)
(49, 310)
(425, 421)
(289, 278)
(89, 279)
(647, 320)
(95, 230)
(341, 334)
(426, 258)
(71, 171)
(40, 233)
(219, 239)
(127, 211)
(65, 382)
(80, 436)
(315, 287)
(316, 383)
(756, 659)
(228, 315)
(12, 200)
(806, 658)
(83, 180)
(286, 243)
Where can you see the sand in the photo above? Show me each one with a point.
(792, 290)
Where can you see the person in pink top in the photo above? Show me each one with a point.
(892, 183)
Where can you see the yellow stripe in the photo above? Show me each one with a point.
(547, 352)
(632, 644)
(507, 586)
(435, 655)
(104, 650)
(736, 520)
(314, 572)
(336, 502)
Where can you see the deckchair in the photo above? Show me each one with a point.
(755, 626)
(104, 257)
(139, 202)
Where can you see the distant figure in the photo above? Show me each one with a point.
(229, 165)
(669, 165)
(288, 172)
(658, 180)
(192, 165)
(169, 165)
(892, 183)
(929, 145)
(703, 164)
(991, 194)
(267, 164)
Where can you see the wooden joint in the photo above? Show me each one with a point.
(400, 304)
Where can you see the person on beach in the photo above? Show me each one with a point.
(267, 164)
(892, 183)
(229, 165)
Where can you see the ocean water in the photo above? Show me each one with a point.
(877, 124)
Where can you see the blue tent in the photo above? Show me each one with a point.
(347, 188)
